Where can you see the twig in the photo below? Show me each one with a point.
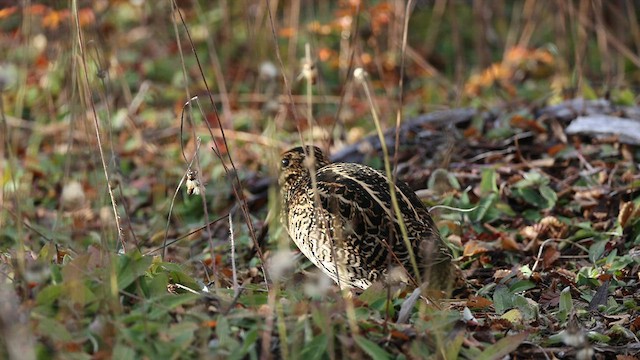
(186, 235)
(394, 178)
(24, 222)
(173, 200)
(236, 184)
(436, 207)
(217, 69)
(128, 215)
(392, 254)
(544, 243)
(96, 124)
(360, 76)
(233, 254)
(282, 70)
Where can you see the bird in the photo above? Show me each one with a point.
(341, 217)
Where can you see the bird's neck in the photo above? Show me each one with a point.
(294, 188)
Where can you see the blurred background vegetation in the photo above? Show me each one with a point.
(121, 71)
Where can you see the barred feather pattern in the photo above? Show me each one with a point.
(342, 219)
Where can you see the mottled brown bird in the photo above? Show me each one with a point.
(340, 215)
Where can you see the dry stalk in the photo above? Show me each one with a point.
(96, 123)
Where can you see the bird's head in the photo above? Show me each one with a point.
(296, 163)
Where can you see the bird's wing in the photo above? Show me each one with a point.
(359, 197)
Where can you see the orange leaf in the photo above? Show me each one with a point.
(471, 132)
(72, 347)
(605, 277)
(474, 247)
(287, 32)
(226, 272)
(517, 54)
(42, 62)
(501, 324)
(366, 59)
(208, 261)
(210, 323)
(6, 12)
(479, 302)
(325, 54)
(525, 124)
(552, 151)
(54, 19)
(86, 17)
(399, 335)
(551, 254)
(508, 242)
(36, 9)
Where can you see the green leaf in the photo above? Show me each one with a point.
(167, 302)
(588, 93)
(54, 329)
(484, 206)
(620, 262)
(532, 215)
(598, 337)
(531, 196)
(502, 299)
(315, 348)
(49, 295)
(373, 293)
(596, 250)
(520, 286)
(549, 195)
(503, 347)
(566, 304)
(525, 270)
(528, 307)
(56, 274)
(383, 305)
(177, 275)
(130, 267)
(223, 330)
(453, 348)
(249, 340)
(504, 208)
(180, 335)
(500, 133)
(123, 352)
(611, 257)
(625, 97)
(531, 179)
(372, 349)
(514, 316)
(489, 182)
(155, 285)
(588, 275)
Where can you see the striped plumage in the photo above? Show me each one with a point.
(345, 213)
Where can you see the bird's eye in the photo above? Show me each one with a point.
(285, 163)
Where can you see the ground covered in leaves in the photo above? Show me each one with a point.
(531, 173)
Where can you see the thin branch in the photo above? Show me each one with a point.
(236, 184)
(96, 124)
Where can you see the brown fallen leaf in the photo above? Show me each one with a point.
(478, 302)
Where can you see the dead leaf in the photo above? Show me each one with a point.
(6, 12)
(478, 302)
(626, 209)
(474, 247)
(508, 242)
(550, 255)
